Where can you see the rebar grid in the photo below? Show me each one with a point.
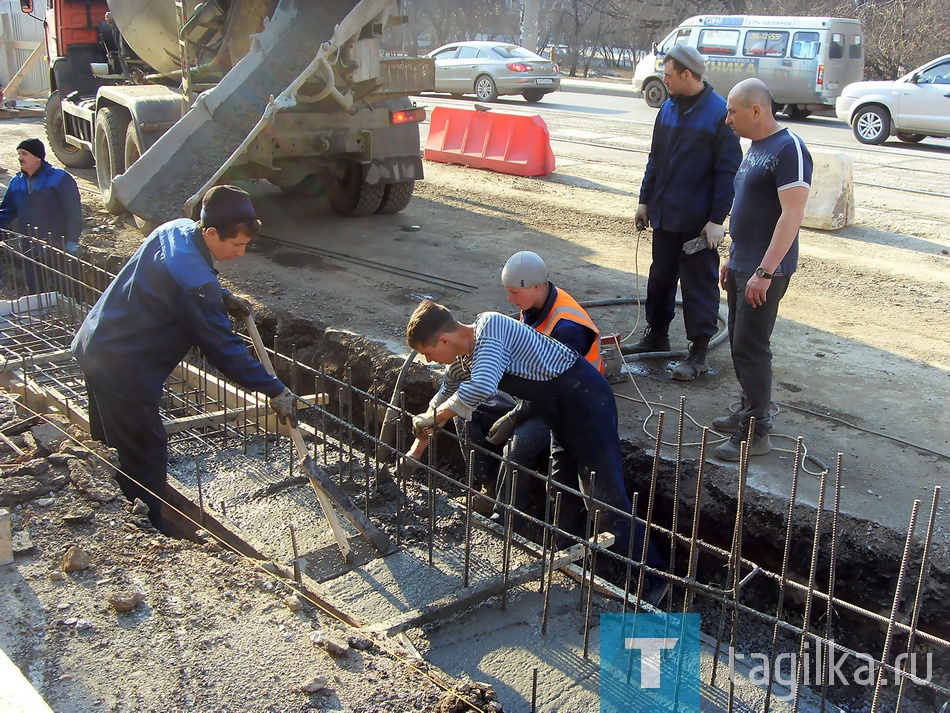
(35, 335)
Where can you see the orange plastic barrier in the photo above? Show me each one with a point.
(507, 143)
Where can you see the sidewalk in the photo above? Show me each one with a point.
(616, 87)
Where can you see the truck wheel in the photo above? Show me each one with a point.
(396, 196)
(352, 196)
(797, 113)
(872, 125)
(655, 93)
(68, 155)
(133, 151)
(111, 126)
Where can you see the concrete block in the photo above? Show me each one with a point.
(830, 203)
(16, 693)
(6, 538)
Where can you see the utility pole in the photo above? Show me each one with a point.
(529, 24)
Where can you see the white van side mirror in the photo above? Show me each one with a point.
(915, 77)
(26, 6)
(656, 50)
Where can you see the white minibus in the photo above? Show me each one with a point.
(804, 61)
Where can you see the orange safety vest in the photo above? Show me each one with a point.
(566, 307)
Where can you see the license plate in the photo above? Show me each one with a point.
(545, 81)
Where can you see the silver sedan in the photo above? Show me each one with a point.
(490, 69)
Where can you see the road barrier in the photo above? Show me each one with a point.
(830, 203)
(507, 143)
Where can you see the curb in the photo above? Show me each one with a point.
(585, 86)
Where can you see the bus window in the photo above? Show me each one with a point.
(759, 43)
(854, 49)
(805, 45)
(718, 42)
(836, 51)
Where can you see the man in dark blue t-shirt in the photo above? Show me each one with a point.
(771, 190)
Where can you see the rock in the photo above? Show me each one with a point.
(75, 559)
(317, 683)
(126, 602)
(78, 517)
(332, 647)
(22, 544)
(93, 481)
(57, 576)
(139, 508)
(293, 603)
(45, 502)
(48, 436)
(360, 643)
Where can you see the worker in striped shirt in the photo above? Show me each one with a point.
(563, 388)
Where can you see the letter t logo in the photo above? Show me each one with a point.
(649, 657)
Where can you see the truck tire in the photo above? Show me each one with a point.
(871, 125)
(352, 196)
(797, 113)
(111, 126)
(396, 196)
(70, 156)
(655, 93)
(133, 151)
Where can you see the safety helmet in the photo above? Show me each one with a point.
(524, 269)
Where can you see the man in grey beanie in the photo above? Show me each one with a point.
(686, 192)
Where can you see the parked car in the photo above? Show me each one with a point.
(913, 107)
(490, 69)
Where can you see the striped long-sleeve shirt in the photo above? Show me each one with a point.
(502, 346)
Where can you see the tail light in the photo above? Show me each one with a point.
(519, 67)
(821, 75)
(407, 116)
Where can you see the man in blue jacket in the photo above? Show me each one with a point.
(45, 203)
(686, 192)
(166, 300)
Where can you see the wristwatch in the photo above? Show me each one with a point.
(762, 274)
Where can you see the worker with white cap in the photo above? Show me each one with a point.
(686, 192)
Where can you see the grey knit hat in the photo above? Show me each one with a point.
(688, 57)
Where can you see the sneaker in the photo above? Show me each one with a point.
(730, 450)
(651, 341)
(726, 424)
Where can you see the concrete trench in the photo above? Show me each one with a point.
(250, 481)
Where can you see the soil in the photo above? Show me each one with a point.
(861, 368)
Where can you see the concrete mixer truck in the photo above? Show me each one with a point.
(169, 97)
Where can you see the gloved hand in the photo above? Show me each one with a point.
(285, 406)
(422, 422)
(642, 217)
(237, 307)
(501, 430)
(715, 234)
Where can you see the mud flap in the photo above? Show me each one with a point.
(187, 156)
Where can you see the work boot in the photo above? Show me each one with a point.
(726, 424)
(653, 340)
(695, 362)
(730, 450)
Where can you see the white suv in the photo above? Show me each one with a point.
(912, 108)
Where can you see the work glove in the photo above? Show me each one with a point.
(642, 217)
(236, 307)
(715, 234)
(422, 422)
(285, 406)
(501, 430)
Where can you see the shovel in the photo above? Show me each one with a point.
(324, 487)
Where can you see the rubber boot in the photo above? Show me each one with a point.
(653, 340)
(695, 362)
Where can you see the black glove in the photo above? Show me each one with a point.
(501, 430)
(285, 406)
(237, 307)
